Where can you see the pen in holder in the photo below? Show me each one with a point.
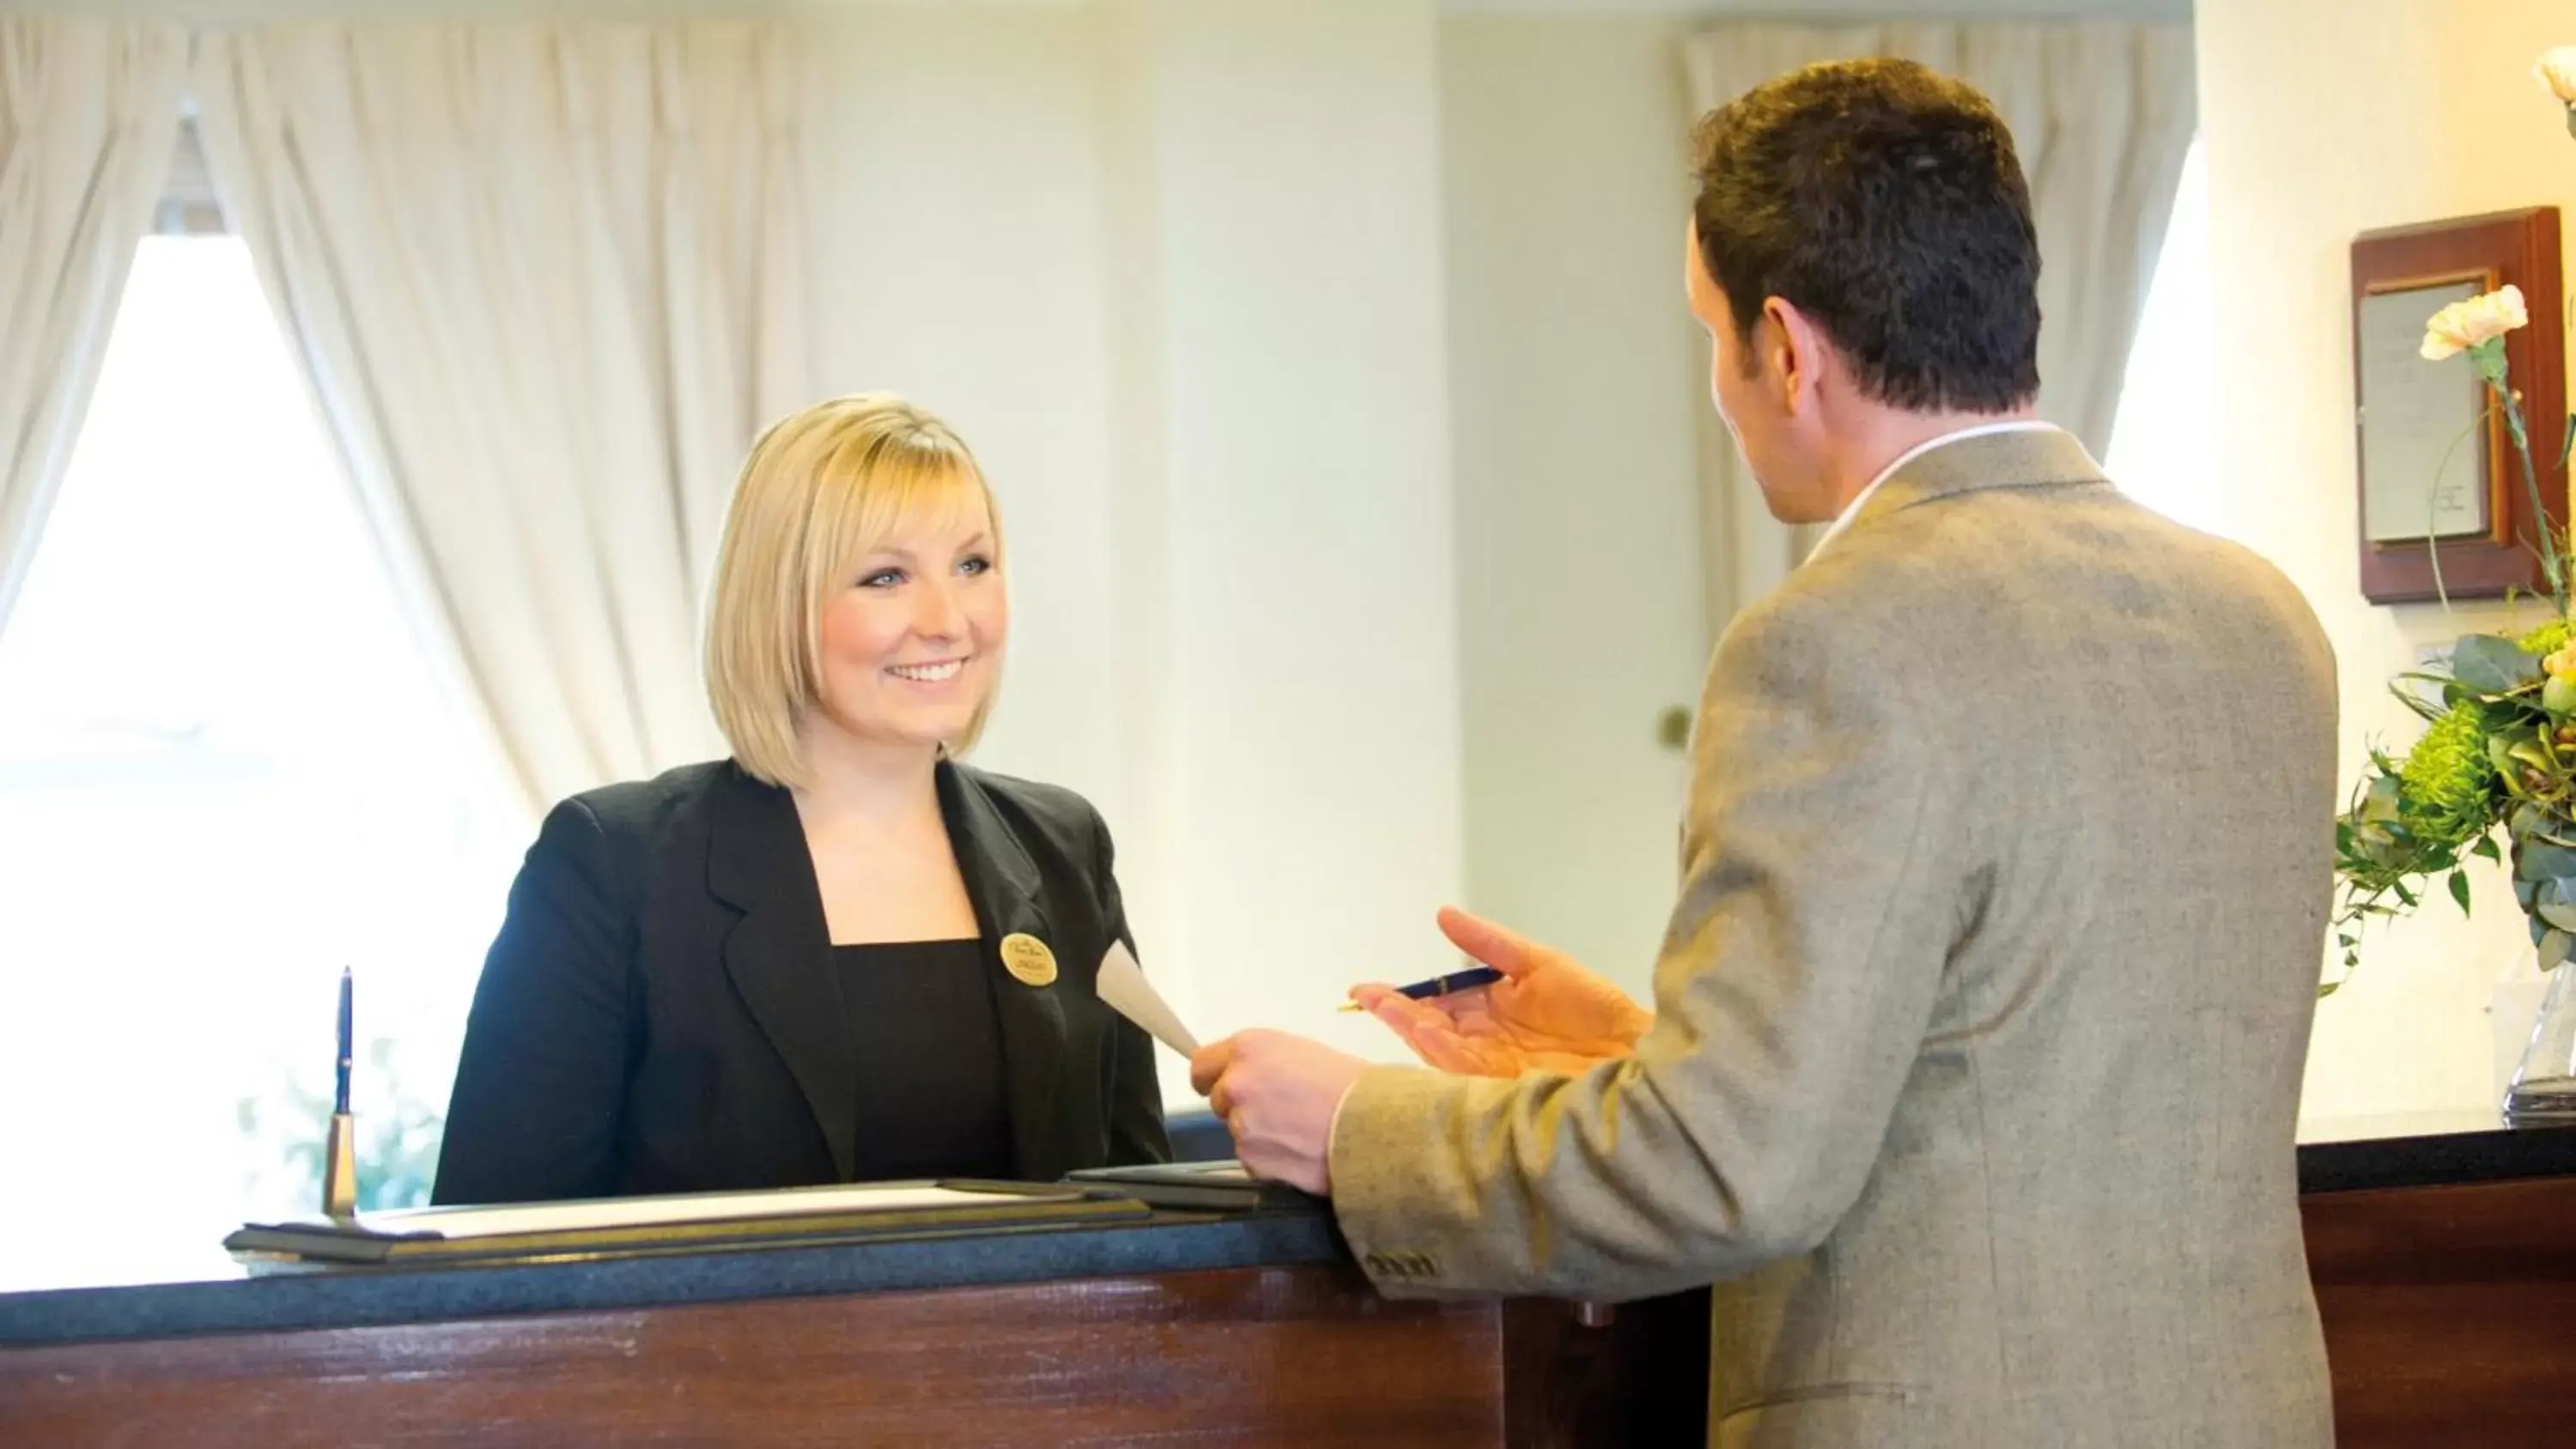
(340, 1151)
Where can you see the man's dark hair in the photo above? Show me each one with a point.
(1885, 202)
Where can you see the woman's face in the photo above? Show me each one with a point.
(912, 638)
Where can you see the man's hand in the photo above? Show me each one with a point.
(1277, 1094)
(1547, 1013)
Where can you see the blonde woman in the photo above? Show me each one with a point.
(840, 955)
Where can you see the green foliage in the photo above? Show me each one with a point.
(2495, 756)
(2447, 786)
(398, 1137)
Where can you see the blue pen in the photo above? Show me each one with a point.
(1451, 984)
(340, 1094)
(340, 1148)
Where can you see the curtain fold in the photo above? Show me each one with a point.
(546, 281)
(89, 116)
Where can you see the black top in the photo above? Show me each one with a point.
(931, 1101)
(661, 1012)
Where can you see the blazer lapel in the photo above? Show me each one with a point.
(779, 955)
(1004, 885)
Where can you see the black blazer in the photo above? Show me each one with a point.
(660, 1012)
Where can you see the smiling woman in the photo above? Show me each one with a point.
(841, 955)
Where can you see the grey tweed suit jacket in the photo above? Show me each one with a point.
(1981, 1014)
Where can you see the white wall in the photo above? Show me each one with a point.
(2324, 118)
(1291, 492)
(1175, 271)
(956, 214)
(1575, 396)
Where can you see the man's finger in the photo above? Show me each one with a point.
(1503, 949)
(1209, 1063)
(1406, 1018)
(1430, 1035)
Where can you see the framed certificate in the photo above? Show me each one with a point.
(2438, 478)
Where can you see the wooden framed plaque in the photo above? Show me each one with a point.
(2436, 469)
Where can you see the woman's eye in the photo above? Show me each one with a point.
(975, 564)
(882, 579)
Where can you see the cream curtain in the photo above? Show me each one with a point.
(2102, 113)
(89, 115)
(547, 283)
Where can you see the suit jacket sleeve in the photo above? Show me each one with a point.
(541, 1081)
(1135, 1099)
(1819, 898)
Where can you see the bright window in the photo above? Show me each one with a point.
(2162, 452)
(228, 768)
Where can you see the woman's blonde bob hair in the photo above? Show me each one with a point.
(821, 490)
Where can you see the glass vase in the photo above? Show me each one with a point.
(2544, 1082)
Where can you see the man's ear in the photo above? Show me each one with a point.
(1796, 351)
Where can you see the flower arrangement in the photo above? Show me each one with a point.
(2499, 745)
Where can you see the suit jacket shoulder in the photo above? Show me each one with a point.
(1059, 815)
(642, 809)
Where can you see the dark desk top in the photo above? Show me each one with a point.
(2361, 1154)
(2428, 1149)
(228, 1299)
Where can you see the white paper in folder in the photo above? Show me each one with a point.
(1124, 987)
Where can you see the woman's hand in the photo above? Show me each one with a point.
(1547, 1013)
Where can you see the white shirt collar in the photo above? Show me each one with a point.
(1851, 510)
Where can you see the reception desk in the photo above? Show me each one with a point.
(1187, 1329)
(2442, 1263)
(2444, 1257)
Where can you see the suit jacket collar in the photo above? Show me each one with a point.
(779, 955)
(2023, 458)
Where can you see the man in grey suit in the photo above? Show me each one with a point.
(1979, 1023)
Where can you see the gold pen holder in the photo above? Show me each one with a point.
(340, 1168)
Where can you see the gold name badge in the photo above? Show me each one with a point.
(1028, 960)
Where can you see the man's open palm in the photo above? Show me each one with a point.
(1547, 1013)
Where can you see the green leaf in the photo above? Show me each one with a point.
(2563, 917)
(2532, 822)
(2383, 798)
(2539, 860)
(2486, 848)
(2460, 891)
(2415, 700)
(2554, 949)
(2491, 664)
(2500, 752)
